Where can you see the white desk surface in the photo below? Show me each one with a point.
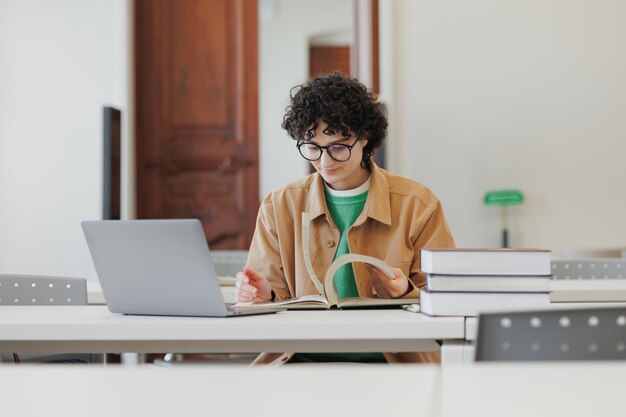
(471, 328)
(94, 329)
(293, 390)
(483, 390)
(526, 389)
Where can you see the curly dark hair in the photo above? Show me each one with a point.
(344, 104)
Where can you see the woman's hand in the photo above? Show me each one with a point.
(388, 288)
(251, 286)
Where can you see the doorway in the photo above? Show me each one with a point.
(197, 115)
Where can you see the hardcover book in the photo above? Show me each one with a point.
(474, 303)
(488, 283)
(486, 261)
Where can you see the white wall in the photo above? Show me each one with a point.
(285, 27)
(60, 62)
(483, 95)
(527, 94)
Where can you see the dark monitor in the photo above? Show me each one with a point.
(111, 167)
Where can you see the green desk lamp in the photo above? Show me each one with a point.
(504, 198)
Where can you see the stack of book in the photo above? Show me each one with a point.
(466, 282)
(591, 280)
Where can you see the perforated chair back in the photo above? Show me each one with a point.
(38, 290)
(589, 269)
(557, 335)
(41, 290)
(228, 262)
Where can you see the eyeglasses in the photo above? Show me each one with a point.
(313, 152)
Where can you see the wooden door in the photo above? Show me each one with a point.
(196, 83)
(325, 59)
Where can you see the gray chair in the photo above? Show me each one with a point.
(556, 335)
(588, 280)
(228, 262)
(589, 269)
(37, 290)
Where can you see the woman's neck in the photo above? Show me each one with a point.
(349, 193)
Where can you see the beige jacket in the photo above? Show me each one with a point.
(400, 217)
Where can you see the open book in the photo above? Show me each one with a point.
(329, 296)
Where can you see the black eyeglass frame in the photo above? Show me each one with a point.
(326, 148)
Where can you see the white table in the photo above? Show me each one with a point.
(481, 390)
(461, 351)
(94, 329)
(572, 389)
(294, 390)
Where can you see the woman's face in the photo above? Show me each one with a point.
(345, 175)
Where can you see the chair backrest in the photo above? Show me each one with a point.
(585, 334)
(41, 290)
(595, 269)
(228, 262)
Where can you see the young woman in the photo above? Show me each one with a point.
(354, 206)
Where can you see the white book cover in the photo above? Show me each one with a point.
(488, 283)
(474, 261)
(474, 303)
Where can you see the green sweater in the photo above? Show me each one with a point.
(344, 212)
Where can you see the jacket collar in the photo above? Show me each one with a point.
(377, 205)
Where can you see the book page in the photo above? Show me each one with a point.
(306, 301)
(307, 256)
(375, 302)
(328, 289)
(329, 279)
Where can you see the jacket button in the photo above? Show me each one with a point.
(330, 243)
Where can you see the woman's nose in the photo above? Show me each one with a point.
(325, 159)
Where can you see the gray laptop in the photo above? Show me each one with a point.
(157, 267)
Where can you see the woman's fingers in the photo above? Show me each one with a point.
(254, 276)
(385, 287)
(260, 282)
(252, 287)
(244, 291)
(243, 285)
